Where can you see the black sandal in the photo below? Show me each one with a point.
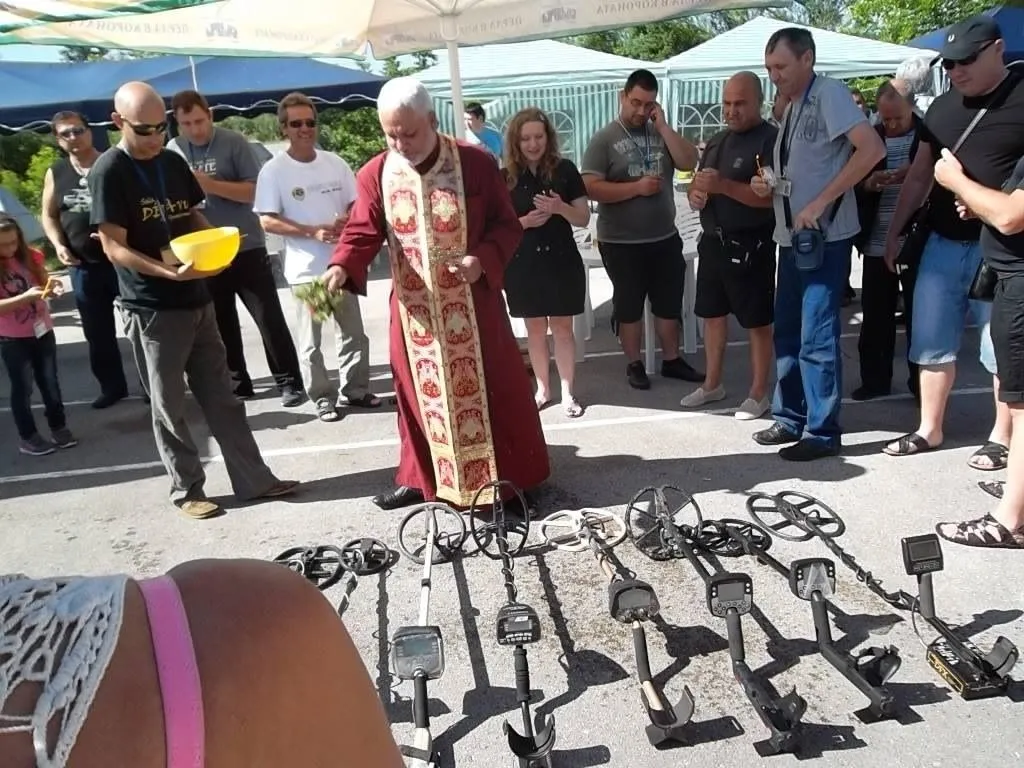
(996, 453)
(986, 532)
(908, 445)
(992, 487)
(369, 400)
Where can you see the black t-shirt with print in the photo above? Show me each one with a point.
(734, 155)
(989, 153)
(1006, 252)
(125, 192)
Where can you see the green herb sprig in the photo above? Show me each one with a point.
(320, 301)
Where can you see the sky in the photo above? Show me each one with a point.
(30, 52)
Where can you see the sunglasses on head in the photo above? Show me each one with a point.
(302, 123)
(948, 64)
(71, 133)
(147, 129)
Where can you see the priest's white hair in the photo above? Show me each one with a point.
(917, 73)
(404, 93)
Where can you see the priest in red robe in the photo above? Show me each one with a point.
(466, 414)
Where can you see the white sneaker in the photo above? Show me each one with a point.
(701, 396)
(751, 409)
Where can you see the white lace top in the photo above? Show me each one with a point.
(76, 616)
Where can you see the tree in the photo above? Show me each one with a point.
(901, 22)
(647, 42)
(79, 54)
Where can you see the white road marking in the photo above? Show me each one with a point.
(570, 426)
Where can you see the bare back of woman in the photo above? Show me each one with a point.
(282, 682)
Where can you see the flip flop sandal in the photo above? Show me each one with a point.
(986, 532)
(992, 487)
(325, 411)
(573, 409)
(996, 453)
(366, 401)
(908, 445)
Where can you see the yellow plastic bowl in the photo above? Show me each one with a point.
(209, 249)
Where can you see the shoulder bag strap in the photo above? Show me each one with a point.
(956, 147)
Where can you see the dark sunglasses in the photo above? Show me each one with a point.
(948, 64)
(71, 133)
(146, 129)
(302, 123)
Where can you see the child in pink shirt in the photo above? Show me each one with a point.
(28, 346)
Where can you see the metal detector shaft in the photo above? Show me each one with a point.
(881, 663)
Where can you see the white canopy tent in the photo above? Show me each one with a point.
(696, 76)
(838, 55)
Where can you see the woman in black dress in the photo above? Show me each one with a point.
(545, 283)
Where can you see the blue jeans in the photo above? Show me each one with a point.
(25, 360)
(807, 355)
(941, 304)
(95, 287)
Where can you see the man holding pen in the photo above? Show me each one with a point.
(304, 195)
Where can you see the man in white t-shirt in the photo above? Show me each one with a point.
(304, 195)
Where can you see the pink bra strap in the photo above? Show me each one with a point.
(180, 688)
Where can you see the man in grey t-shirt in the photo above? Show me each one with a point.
(628, 168)
(226, 168)
(825, 147)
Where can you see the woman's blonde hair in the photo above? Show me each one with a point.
(515, 163)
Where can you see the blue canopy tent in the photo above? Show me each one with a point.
(30, 92)
(13, 207)
(1010, 20)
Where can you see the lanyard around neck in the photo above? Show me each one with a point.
(644, 150)
(791, 123)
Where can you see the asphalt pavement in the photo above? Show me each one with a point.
(103, 507)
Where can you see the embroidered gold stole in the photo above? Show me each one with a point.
(427, 217)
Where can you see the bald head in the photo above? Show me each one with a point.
(894, 101)
(140, 115)
(741, 101)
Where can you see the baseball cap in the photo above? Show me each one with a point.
(966, 38)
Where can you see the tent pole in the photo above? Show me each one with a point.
(192, 68)
(457, 105)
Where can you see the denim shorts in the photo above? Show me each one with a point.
(941, 304)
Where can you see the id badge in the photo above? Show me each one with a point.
(783, 187)
(168, 257)
(39, 329)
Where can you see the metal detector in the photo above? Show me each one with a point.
(959, 662)
(518, 624)
(417, 651)
(324, 565)
(630, 601)
(813, 580)
(657, 532)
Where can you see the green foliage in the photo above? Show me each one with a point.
(900, 22)
(320, 302)
(868, 86)
(28, 185)
(17, 149)
(355, 135)
(647, 42)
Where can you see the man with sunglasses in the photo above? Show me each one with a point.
(304, 194)
(66, 207)
(226, 168)
(973, 59)
(143, 197)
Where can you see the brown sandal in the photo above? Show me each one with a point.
(986, 532)
(996, 453)
(908, 445)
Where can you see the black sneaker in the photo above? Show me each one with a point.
(776, 434)
(808, 450)
(863, 393)
(244, 390)
(292, 398)
(636, 375)
(108, 399)
(63, 438)
(680, 369)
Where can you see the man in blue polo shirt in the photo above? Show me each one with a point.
(478, 132)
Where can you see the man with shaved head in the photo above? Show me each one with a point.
(143, 197)
(736, 272)
(466, 414)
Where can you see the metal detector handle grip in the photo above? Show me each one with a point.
(734, 630)
(643, 664)
(522, 669)
(420, 702)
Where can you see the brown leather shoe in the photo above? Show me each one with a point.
(201, 509)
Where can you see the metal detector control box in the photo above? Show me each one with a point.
(730, 590)
(418, 651)
(922, 554)
(632, 600)
(813, 574)
(518, 624)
